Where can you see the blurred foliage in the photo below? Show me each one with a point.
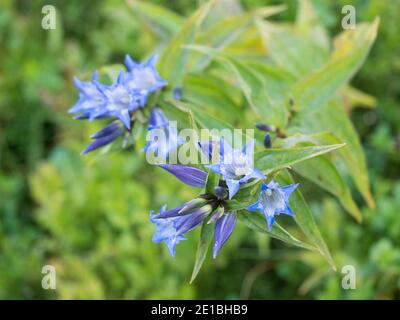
(89, 216)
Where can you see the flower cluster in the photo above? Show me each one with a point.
(234, 168)
(120, 100)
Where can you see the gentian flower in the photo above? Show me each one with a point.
(143, 77)
(105, 136)
(273, 200)
(235, 166)
(171, 226)
(119, 102)
(166, 231)
(98, 100)
(90, 97)
(167, 135)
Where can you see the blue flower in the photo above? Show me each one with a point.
(120, 99)
(235, 166)
(166, 231)
(97, 100)
(90, 97)
(167, 140)
(172, 225)
(273, 200)
(105, 136)
(143, 77)
(119, 102)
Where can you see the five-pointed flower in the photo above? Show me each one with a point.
(166, 230)
(235, 166)
(172, 225)
(273, 200)
(143, 77)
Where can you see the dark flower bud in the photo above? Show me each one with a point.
(263, 127)
(267, 141)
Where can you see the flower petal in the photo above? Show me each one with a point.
(222, 231)
(233, 187)
(254, 207)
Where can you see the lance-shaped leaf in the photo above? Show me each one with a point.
(288, 49)
(256, 221)
(212, 182)
(322, 171)
(316, 89)
(252, 86)
(206, 236)
(162, 21)
(304, 217)
(174, 58)
(333, 118)
(227, 29)
(272, 160)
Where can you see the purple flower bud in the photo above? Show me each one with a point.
(178, 93)
(263, 127)
(104, 137)
(190, 175)
(222, 231)
(267, 141)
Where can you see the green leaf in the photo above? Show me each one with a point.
(159, 19)
(316, 89)
(271, 160)
(174, 58)
(215, 97)
(304, 218)
(256, 222)
(334, 119)
(291, 51)
(257, 94)
(252, 85)
(323, 172)
(353, 97)
(206, 236)
(227, 29)
(212, 182)
(204, 119)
